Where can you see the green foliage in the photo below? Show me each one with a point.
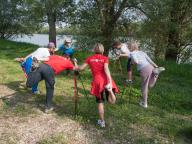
(16, 18)
(103, 20)
(61, 8)
(164, 25)
(167, 25)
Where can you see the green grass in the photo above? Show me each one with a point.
(168, 118)
(55, 139)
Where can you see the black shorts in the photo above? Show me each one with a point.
(129, 64)
(102, 99)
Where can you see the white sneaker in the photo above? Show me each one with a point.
(142, 104)
(101, 123)
(48, 110)
(129, 81)
(108, 87)
(158, 70)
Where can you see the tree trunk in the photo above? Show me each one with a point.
(107, 41)
(107, 37)
(52, 28)
(172, 50)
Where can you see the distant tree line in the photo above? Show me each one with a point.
(166, 25)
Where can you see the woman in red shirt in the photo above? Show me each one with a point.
(102, 81)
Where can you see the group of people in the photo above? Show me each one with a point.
(44, 64)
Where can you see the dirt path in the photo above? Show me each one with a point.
(31, 130)
(34, 128)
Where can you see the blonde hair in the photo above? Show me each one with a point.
(98, 48)
(133, 46)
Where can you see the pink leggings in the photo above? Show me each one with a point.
(148, 79)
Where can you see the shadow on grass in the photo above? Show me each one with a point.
(119, 117)
(22, 101)
(184, 136)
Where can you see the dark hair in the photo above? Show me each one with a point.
(116, 43)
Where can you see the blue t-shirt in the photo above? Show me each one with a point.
(67, 50)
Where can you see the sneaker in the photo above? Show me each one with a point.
(108, 87)
(101, 123)
(47, 110)
(142, 104)
(129, 81)
(158, 70)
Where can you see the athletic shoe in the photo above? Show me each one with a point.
(108, 87)
(129, 81)
(158, 70)
(142, 104)
(47, 110)
(101, 123)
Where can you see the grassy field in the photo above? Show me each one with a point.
(167, 120)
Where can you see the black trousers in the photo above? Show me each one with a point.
(129, 65)
(43, 72)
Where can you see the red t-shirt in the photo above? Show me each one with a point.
(59, 63)
(96, 64)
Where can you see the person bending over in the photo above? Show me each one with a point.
(41, 54)
(47, 71)
(102, 81)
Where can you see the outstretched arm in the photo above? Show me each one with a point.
(83, 66)
(22, 59)
(150, 61)
(79, 67)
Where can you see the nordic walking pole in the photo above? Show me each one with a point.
(75, 94)
(84, 88)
